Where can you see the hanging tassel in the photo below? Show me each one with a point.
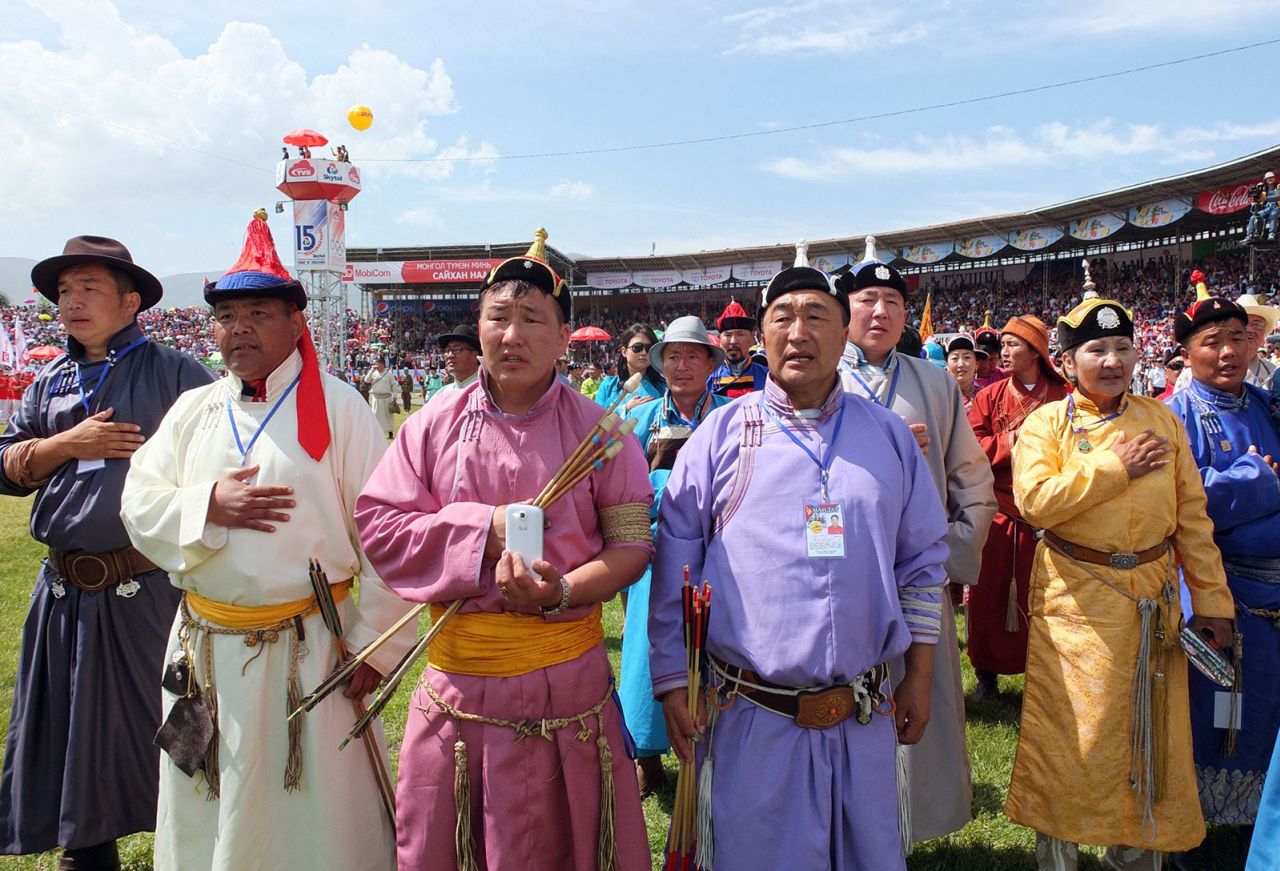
(293, 698)
(705, 850)
(1011, 610)
(1159, 729)
(211, 771)
(607, 850)
(463, 842)
(904, 801)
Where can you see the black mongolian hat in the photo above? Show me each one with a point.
(871, 271)
(94, 249)
(802, 276)
(1093, 318)
(534, 268)
(1205, 310)
(464, 333)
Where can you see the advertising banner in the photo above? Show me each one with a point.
(710, 275)
(1095, 228)
(829, 262)
(656, 277)
(1035, 239)
(756, 271)
(930, 252)
(1225, 200)
(1159, 214)
(608, 280)
(319, 238)
(420, 271)
(981, 246)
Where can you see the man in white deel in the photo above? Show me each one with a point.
(382, 385)
(245, 482)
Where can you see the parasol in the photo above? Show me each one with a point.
(589, 334)
(44, 352)
(305, 136)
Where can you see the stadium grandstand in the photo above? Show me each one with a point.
(1141, 239)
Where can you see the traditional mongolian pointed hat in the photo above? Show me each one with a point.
(1207, 309)
(259, 273)
(1093, 318)
(802, 276)
(735, 317)
(534, 268)
(870, 271)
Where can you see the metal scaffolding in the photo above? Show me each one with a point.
(326, 316)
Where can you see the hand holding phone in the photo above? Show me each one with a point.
(524, 534)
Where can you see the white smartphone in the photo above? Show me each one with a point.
(524, 534)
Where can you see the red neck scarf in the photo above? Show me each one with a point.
(313, 419)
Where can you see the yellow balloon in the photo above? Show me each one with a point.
(45, 317)
(360, 117)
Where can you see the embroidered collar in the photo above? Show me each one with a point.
(780, 403)
(1220, 399)
(276, 383)
(131, 333)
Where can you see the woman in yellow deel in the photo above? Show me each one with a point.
(1104, 751)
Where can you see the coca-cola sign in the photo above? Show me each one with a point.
(1225, 200)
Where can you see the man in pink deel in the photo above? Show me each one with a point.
(522, 649)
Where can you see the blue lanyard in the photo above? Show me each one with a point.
(698, 410)
(871, 394)
(824, 465)
(113, 357)
(1071, 415)
(235, 430)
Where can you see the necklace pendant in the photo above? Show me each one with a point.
(1225, 445)
(1084, 446)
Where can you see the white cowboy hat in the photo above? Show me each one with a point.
(1254, 306)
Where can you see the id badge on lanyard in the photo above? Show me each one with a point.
(823, 517)
(824, 530)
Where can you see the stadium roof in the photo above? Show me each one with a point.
(1186, 185)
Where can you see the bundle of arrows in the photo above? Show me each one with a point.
(682, 839)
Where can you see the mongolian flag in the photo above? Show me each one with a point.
(926, 319)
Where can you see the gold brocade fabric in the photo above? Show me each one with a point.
(506, 644)
(1072, 769)
(626, 522)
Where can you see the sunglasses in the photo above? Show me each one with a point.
(639, 348)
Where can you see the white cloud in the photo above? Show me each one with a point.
(422, 217)
(572, 190)
(1055, 142)
(109, 113)
(807, 27)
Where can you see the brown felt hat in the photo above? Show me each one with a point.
(94, 249)
(1032, 330)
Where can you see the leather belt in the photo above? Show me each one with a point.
(1102, 558)
(94, 572)
(819, 708)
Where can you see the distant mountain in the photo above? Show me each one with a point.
(180, 291)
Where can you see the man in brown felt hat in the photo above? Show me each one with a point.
(80, 770)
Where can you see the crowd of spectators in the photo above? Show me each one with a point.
(1154, 289)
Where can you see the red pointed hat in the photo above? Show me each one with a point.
(259, 273)
(735, 317)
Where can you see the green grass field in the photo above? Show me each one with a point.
(988, 843)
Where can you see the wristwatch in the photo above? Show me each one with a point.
(563, 604)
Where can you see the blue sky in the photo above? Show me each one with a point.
(497, 79)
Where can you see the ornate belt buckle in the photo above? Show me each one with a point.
(1123, 561)
(76, 571)
(822, 709)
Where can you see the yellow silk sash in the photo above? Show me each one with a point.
(506, 644)
(260, 616)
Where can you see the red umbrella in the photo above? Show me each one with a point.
(589, 334)
(44, 352)
(305, 136)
